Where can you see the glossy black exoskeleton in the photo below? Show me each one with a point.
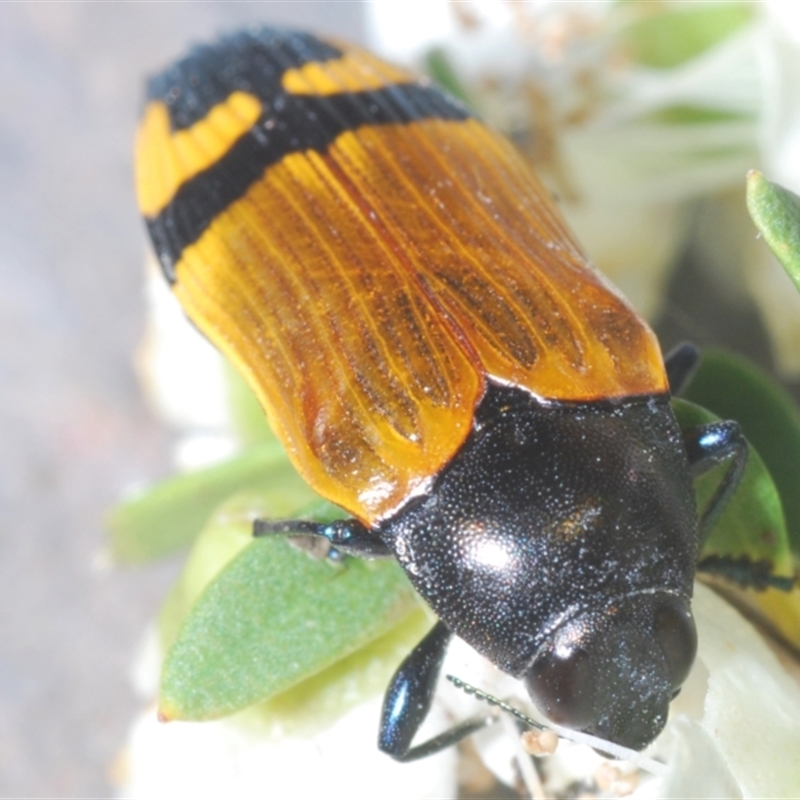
(561, 543)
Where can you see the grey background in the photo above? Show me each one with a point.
(73, 428)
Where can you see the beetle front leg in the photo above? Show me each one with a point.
(710, 445)
(345, 535)
(409, 697)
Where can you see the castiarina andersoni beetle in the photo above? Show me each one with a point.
(439, 359)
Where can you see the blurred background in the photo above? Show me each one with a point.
(75, 433)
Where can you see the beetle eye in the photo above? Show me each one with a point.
(677, 636)
(560, 683)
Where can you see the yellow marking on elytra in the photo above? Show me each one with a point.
(353, 72)
(166, 159)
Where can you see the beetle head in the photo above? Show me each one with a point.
(612, 674)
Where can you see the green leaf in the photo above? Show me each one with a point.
(271, 618)
(752, 524)
(694, 115)
(229, 530)
(669, 38)
(734, 388)
(776, 213)
(438, 66)
(324, 696)
(307, 707)
(226, 535)
(170, 515)
(248, 416)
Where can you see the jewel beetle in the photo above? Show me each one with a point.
(440, 359)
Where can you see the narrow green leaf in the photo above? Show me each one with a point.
(776, 213)
(752, 525)
(170, 515)
(733, 388)
(671, 37)
(271, 618)
(438, 66)
(248, 416)
(694, 115)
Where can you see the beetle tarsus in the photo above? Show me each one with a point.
(271, 527)
(747, 573)
(345, 535)
(448, 738)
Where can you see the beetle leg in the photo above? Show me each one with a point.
(345, 535)
(746, 573)
(681, 363)
(707, 446)
(408, 701)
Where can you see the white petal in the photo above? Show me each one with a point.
(227, 759)
(752, 707)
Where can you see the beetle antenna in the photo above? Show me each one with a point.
(600, 745)
(494, 701)
(268, 527)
